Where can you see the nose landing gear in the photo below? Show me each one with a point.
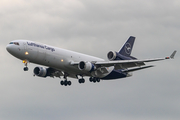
(25, 63)
(26, 68)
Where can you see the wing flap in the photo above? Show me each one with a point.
(137, 68)
(127, 63)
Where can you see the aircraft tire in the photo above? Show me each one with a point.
(65, 82)
(90, 79)
(81, 81)
(62, 82)
(69, 83)
(25, 68)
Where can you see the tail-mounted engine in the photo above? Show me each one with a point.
(40, 71)
(86, 66)
(113, 55)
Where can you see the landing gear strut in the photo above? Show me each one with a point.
(65, 82)
(25, 63)
(82, 80)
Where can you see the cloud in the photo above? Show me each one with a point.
(91, 27)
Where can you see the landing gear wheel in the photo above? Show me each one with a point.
(65, 83)
(90, 79)
(81, 80)
(25, 68)
(62, 82)
(69, 83)
(94, 79)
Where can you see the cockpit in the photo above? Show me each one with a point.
(15, 43)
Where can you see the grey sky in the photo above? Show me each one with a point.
(92, 27)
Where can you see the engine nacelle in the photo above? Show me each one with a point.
(86, 66)
(40, 71)
(112, 55)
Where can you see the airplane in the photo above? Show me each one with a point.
(61, 62)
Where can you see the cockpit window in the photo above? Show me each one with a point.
(15, 43)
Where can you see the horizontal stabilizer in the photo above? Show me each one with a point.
(137, 68)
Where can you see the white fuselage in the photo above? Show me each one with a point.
(50, 56)
(66, 63)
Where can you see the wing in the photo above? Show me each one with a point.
(124, 64)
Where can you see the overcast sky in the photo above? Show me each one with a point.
(92, 27)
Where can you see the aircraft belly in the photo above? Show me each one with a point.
(115, 74)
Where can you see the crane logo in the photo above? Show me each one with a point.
(128, 48)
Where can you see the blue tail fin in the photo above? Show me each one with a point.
(127, 47)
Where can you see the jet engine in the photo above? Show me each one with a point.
(86, 66)
(40, 71)
(112, 55)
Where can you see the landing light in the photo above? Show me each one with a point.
(26, 53)
(62, 60)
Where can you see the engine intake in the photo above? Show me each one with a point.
(112, 55)
(86, 66)
(40, 71)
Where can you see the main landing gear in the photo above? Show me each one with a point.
(65, 82)
(94, 79)
(82, 80)
(25, 63)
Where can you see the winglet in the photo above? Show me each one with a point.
(172, 55)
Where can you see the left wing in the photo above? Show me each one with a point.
(121, 64)
(124, 64)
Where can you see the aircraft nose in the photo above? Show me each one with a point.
(8, 48)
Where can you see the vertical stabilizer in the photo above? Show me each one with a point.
(127, 47)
